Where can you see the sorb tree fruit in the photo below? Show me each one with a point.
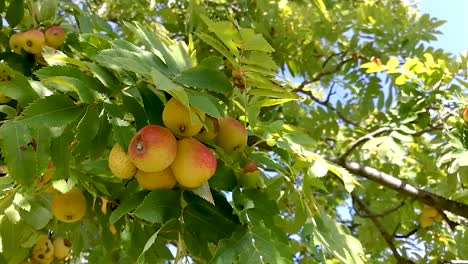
(180, 120)
(232, 135)
(43, 251)
(428, 216)
(250, 166)
(16, 42)
(62, 248)
(156, 180)
(153, 148)
(120, 163)
(69, 207)
(209, 131)
(194, 163)
(33, 40)
(54, 36)
(465, 115)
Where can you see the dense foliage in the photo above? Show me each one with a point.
(355, 123)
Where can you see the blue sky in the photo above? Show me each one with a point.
(455, 31)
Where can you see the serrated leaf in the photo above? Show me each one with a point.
(15, 13)
(126, 206)
(16, 147)
(215, 44)
(126, 60)
(38, 217)
(52, 111)
(205, 78)
(270, 102)
(18, 87)
(60, 150)
(165, 84)
(87, 130)
(261, 59)
(253, 41)
(226, 32)
(167, 227)
(159, 206)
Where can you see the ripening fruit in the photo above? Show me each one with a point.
(180, 121)
(120, 163)
(33, 40)
(428, 216)
(156, 180)
(54, 36)
(465, 115)
(194, 163)
(69, 207)
(210, 130)
(62, 248)
(153, 148)
(232, 135)
(43, 251)
(16, 42)
(4, 99)
(250, 166)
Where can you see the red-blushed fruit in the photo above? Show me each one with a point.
(69, 207)
(180, 121)
(153, 148)
(33, 40)
(465, 115)
(156, 180)
(16, 42)
(250, 166)
(54, 36)
(194, 163)
(232, 135)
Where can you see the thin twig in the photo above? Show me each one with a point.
(362, 140)
(386, 212)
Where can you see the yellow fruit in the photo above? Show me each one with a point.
(156, 180)
(180, 121)
(209, 131)
(69, 207)
(232, 135)
(43, 251)
(194, 163)
(54, 36)
(153, 148)
(16, 42)
(120, 163)
(429, 215)
(33, 40)
(62, 248)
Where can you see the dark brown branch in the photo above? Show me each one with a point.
(431, 199)
(410, 233)
(386, 235)
(320, 75)
(384, 213)
(362, 140)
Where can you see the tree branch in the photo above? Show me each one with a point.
(384, 213)
(362, 140)
(387, 236)
(431, 199)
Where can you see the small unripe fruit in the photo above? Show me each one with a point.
(43, 250)
(210, 130)
(156, 180)
(153, 148)
(54, 36)
(33, 40)
(120, 163)
(16, 42)
(232, 135)
(69, 207)
(180, 121)
(194, 163)
(62, 248)
(250, 166)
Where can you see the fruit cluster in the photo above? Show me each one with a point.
(46, 250)
(33, 40)
(161, 157)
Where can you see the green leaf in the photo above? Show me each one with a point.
(226, 32)
(15, 13)
(205, 78)
(252, 41)
(159, 206)
(9, 111)
(165, 84)
(336, 239)
(169, 226)
(135, 108)
(52, 111)
(152, 104)
(127, 205)
(206, 104)
(17, 87)
(12, 235)
(215, 44)
(21, 159)
(87, 130)
(261, 59)
(61, 155)
(38, 217)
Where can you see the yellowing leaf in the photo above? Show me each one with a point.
(376, 69)
(393, 63)
(400, 80)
